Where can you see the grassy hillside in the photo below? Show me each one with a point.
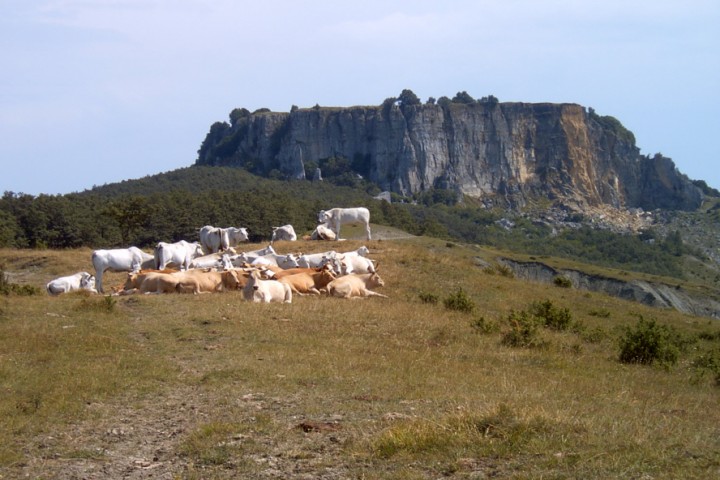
(211, 386)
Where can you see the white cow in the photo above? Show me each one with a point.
(236, 235)
(355, 264)
(266, 291)
(248, 257)
(72, 283)
(216, 239)
(213, 239)
(356, 261)
(315, 260)
(322, 232)
(179, 254)
(213, 260)
(283, 261)
(284, 233)
(337, 216)
(129, 259)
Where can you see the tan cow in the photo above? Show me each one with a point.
(356, 286)
(207, 282)
(189, 281)
(309, 282)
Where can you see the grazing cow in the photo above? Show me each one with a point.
(356, 286)
(322, 232)
(119, 260)
(72, 283)
(266, 291)
(335, 217)
(179, 254)
(309, 282)
(284, 233)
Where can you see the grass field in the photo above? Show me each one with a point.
(210, 386)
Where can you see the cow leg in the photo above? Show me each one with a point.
(367, 230)
(98, 281)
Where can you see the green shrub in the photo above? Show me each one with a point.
(648, 342)
(708, 362)
(595, 335)
(485, 326)
(523, 330)
(428, 298)
(552, 317)
(459, 301)
(7, 287)
(562, 281)
(600, 313)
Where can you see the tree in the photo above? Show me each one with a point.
(463, 97)
(408, 99)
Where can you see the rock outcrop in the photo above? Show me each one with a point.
(649, 293)
(501, 152)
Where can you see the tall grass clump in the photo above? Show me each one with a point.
(648, 342)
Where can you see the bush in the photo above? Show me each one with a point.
(708, 362)
(562, 281)
(459, 301)
(428, 298)
(551, 316)
(601, 313)
(485, 326)
(523, 330)
(648, 342)
(6, 287)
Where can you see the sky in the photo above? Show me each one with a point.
(99, 91)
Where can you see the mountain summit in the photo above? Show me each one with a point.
(501, 153)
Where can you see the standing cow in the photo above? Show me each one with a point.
(335, 217)
(179, 254)
(130, 259)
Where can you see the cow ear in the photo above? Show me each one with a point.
(377, 264)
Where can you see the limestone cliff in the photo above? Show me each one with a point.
(500, 152)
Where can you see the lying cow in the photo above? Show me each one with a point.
(322, 232)
(309, 282)
(130, 259)
(207, 282)
(189, 281)
(356, 286)
(284, 233)
(266, 291)
(72, 283)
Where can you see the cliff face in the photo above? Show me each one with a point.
(501, 152)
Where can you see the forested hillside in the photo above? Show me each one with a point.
(174, 205)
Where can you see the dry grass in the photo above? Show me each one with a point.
(210, 386)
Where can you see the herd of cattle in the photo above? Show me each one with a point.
(213, 264)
